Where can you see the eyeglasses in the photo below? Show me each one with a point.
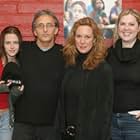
(42, 25)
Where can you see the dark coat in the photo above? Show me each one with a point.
(88, 101)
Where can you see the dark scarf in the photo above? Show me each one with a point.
(127, 55)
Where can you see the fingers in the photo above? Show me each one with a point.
(138, 116)
(21, 88)
(9, 82)
(2, 82)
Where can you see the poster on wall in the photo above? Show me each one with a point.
(104, 12)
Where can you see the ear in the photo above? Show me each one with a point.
(35, 34)
(56, 30)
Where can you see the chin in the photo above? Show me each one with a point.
(83, 52)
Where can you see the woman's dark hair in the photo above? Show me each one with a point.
(94, 3)
(8, 30)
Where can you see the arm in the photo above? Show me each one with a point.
(4, 87)
(104, 103)
(15, 93)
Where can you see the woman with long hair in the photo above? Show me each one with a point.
(10, 40)
(87, 85)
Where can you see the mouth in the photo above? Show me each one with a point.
(12, 51)
(126, 34)
(82, 47)
(45, 35)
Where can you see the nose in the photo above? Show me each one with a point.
(126, 27)
(82, 40)
(45, 28)
(12, 45)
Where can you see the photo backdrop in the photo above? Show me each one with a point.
(104, 12)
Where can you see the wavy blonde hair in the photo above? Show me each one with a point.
(98, 51)
(126, 12)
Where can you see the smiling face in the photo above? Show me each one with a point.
(11, 45)
(128, 28)
(84, 39)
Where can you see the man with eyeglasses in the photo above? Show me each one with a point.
(42, 68)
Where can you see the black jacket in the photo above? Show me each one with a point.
(88, 101)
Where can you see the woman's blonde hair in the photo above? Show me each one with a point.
(98, 51)
(126, 12)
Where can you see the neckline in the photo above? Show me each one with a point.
(127, 55)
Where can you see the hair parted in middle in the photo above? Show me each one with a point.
(98, 51)
(8, 30)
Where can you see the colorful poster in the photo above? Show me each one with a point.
(104, 12)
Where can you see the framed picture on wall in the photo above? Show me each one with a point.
(104, 12)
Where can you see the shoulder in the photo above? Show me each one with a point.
(27, 45)
(109, 52)
(103, 14)
(105, 68)
(58, 46)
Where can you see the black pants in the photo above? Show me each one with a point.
(34, 132)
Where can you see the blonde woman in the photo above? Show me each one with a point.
(124, 58)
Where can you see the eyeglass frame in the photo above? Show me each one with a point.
(47, 25)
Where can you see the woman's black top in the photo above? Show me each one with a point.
(88, 100)
(125, 64)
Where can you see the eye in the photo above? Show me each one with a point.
(40, 25)
(16, 42)
(87, 37)
(121, 23)
(78, 36)
(131, 24)
(47, 25)
(7, 42)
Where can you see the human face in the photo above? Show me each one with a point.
(45, 29)
(84, 39)
(11, 45)
(99, 4)
(128, 28)
(78, 12)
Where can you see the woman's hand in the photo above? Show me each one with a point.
(138, 116)
(21, 88)
(136, 113)
(4, 87)
(9, 82)
(2, 82)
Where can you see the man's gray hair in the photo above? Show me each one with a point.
(44, 12)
